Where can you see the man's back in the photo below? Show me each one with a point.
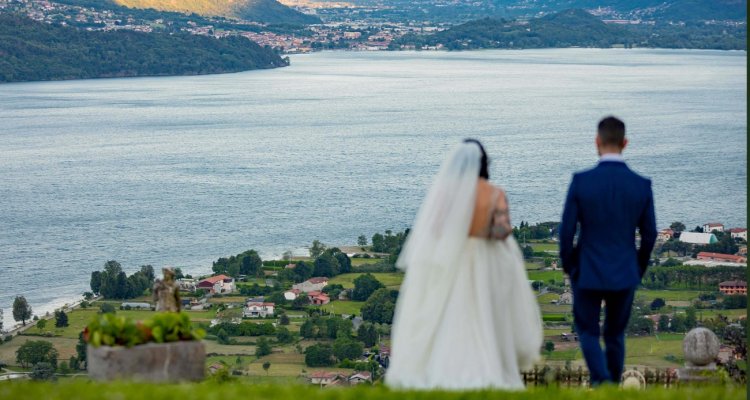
(610, 202)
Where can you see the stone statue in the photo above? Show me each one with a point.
(166, 292)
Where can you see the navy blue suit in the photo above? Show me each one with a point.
(609, 202)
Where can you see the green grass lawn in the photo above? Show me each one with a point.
(668, 295)
(548, 247)
(651, 350)
(356, 262)
(731, 314)
(344, 307)
(545, 275)
(389, 279)
(283, 390)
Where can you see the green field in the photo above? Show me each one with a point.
(344, 307)
(547, 247)
(284, 389)
(668, 295)
(545, 276)
(389, 279)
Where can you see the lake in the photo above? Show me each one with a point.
(179, 171)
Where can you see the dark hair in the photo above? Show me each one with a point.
(484, 170)
(611, 131)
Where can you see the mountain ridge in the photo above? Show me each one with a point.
(265, 11)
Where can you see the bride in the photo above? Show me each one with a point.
(466, 316)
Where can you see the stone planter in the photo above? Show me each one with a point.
(153, 362)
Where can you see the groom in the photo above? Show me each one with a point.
(609, 202)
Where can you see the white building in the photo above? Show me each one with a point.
(258, 310)
(312, 285)
(698, 238)
(713, 226)
(739, 233)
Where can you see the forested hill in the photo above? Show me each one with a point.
(266, 11)
(578, 28)
(33, 51)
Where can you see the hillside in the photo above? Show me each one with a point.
(266, 11)
(32, 51)
(577, 28)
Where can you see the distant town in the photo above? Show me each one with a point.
(375, 26)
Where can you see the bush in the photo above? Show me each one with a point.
(319, 355)
(107, 308)
(42, 371)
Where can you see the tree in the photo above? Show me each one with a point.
(367, 334)
(251, 264)
(364, 286)
(691, 321)
(345, 264)
(658, 303)
(549, 347)
(346, 348)
(677, 226)
(319, 355)
(107, 308)
(42, 371)
(663, 323)
(61, 319)
(96, 281)
(266, 367)
(734, 302)
(36, 351)
(528, 252)
(21, 310)
(284, 319)
(41, 324)
(81, 351)
(380, 306)
(222, 337)
(378, 243)
(148, 272)
(362, 240)
(678, 323)
(326, 265)
(283, 335)
(178, 274)
(263, 347)
(317, 248)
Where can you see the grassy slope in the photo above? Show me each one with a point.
(268, 11)
(124, 391)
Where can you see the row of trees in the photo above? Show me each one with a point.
(114, 283)
(691, 277)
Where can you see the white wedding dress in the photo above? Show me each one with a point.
(466, 316)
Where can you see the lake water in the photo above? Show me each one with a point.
(182, 170)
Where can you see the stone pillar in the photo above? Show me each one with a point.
(700, 348)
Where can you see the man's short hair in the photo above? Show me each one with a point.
(611, 131)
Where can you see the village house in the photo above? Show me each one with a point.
(738, 233)
(258, 310)
(292, 294)
(312, 284)
(665, 234)
(186, 285)
(705, 255)
(217, 284)
(318, 298)
(713, 226)
(324, 378)
(360, 377)
(698, 238)
(733, 287)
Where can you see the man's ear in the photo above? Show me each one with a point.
(624, 143)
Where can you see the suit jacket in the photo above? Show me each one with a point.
(609, 202)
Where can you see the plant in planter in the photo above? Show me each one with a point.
(164, 348)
